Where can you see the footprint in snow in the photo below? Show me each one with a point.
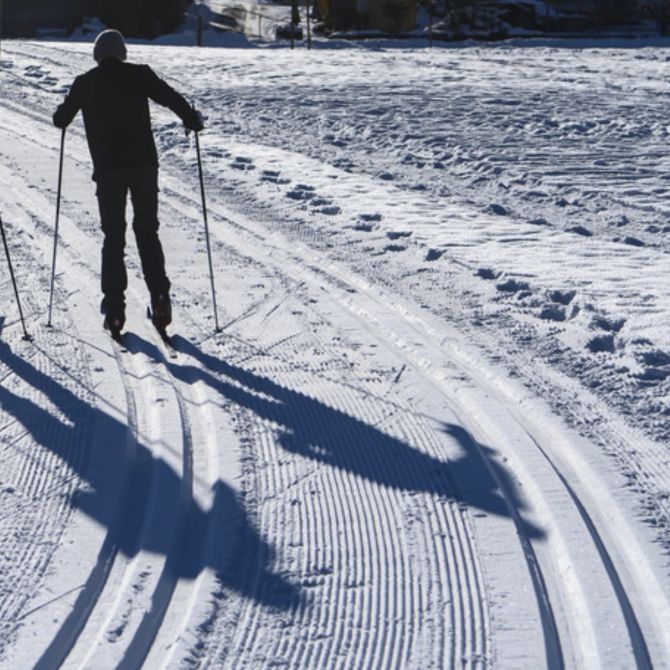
(499, 210)
(34, 71)
(244, 164)
(274, 177)
(653, 376)
(434, 254)
(513, 286)
(562, 297)
(655, 364)
(580, 230)
(395, 248)
(609, 324)
(364, 227)
(301, 192)
(343, 164)
(601, 344)
(487, 273)
(330, 211)
(552, 313)
(270, 175)
(398, 234)
(656, 358)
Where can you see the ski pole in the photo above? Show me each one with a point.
(11, 274)
(53, 258)
(204, 214)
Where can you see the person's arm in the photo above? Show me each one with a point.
(66, 111)
(162, 93)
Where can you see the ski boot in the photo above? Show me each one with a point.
(114, 320)
(161, 311)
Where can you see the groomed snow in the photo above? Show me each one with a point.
(434, 429)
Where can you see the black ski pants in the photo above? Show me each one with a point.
(112, 194)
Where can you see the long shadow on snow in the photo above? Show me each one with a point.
(238, 554)
(328, 435)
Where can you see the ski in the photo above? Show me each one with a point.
(166, 340)
(117, 338)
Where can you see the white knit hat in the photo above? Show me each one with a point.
(109, 43)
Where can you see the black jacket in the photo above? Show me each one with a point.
(114, 99)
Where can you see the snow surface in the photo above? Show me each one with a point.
(434, 429)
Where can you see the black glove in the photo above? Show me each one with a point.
(195, 122)
(59, 121)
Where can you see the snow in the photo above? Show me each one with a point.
(433, 431)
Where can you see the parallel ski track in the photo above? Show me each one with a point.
(554, 643)
(349, 527)
(137, 479)
(38, 506)
(553, 639)
(66, 639)
(639, 647)
(141, 644)
(381, 576)
(70, 629)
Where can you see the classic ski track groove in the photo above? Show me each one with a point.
(382, 541)
(65, 641)
(381, 642)
(370, 516)
(148, 629)
(555, 646)
(245, 644)
(461, 567)
(53, 502)
(65, 638)
(638, 643)
(553, 642)
(44, 495)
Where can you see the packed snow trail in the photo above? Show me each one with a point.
(337, 479)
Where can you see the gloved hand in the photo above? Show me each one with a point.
(195, 122)
(59, 119)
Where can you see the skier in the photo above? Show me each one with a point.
(114, 99)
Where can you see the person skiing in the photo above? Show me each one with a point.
(114, 100)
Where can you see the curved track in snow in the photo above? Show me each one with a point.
(336, 480)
